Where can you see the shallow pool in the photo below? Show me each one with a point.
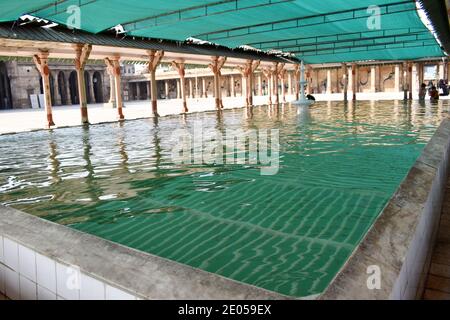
(290, 232)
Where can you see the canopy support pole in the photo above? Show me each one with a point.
(215, 66)
(82, 56)
(180, 67)
(41, 62)
(113, 66)
(154, 60)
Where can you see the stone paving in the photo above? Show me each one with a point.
(22, 120)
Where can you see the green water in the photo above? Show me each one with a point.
(289, 233)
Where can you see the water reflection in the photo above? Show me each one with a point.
(339, 164)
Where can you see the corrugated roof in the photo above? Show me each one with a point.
(34, 32)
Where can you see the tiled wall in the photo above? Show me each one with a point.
(28, 275)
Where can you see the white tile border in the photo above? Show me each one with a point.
(33, 276)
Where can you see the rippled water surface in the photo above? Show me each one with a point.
(289, 233)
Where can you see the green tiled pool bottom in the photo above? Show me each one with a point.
(290, 233)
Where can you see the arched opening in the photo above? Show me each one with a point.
(5, 88)
(73, 86)
(143, 90)
(62, 88)
(132, 91)
(87, 82)
(98, 87)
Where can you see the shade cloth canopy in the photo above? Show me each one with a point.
(316, 31)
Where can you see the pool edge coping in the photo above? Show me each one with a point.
(401, 256)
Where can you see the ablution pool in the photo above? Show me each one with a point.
(290, 232)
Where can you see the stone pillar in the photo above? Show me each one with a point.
(421, 73)
(373, 79)
(260, 83)
(178, 89)
(244, 85)
(112, 92)
(91, 80)
(114, 68)
(281, 77)
(138, 91)
(56, 90)
(268, 74)
(379, 79)
(179, 66)
(69, 97)
(410, 81)
(232, 86)
(166, 89)
(405, 80)
(297, 81)
(329, 89)
(41, 62)
(191, 89)
(252, 66)
(82, 55)
(345, 80)
(309, 78)
(441, 71)
(275, 74)
(354, 80)
(397, 78)
(204, 90)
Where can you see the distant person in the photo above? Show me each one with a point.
(310, 97)
(423, 92)
(434, 94)
(444, 87)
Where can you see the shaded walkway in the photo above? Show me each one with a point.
(438, 283)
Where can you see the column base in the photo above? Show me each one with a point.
(50, 122)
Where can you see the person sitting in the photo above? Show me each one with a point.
(423, 92)
(434, 94)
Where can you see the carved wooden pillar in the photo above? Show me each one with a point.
(216, 66)
(41, 62)
(113, 66)
(179, 66)
(82, 55)
(154, 60)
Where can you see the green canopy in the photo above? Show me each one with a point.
(315, 31)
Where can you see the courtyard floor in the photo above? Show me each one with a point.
(23, 120)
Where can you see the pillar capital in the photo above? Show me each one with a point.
(82, 52)
(155, 57)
